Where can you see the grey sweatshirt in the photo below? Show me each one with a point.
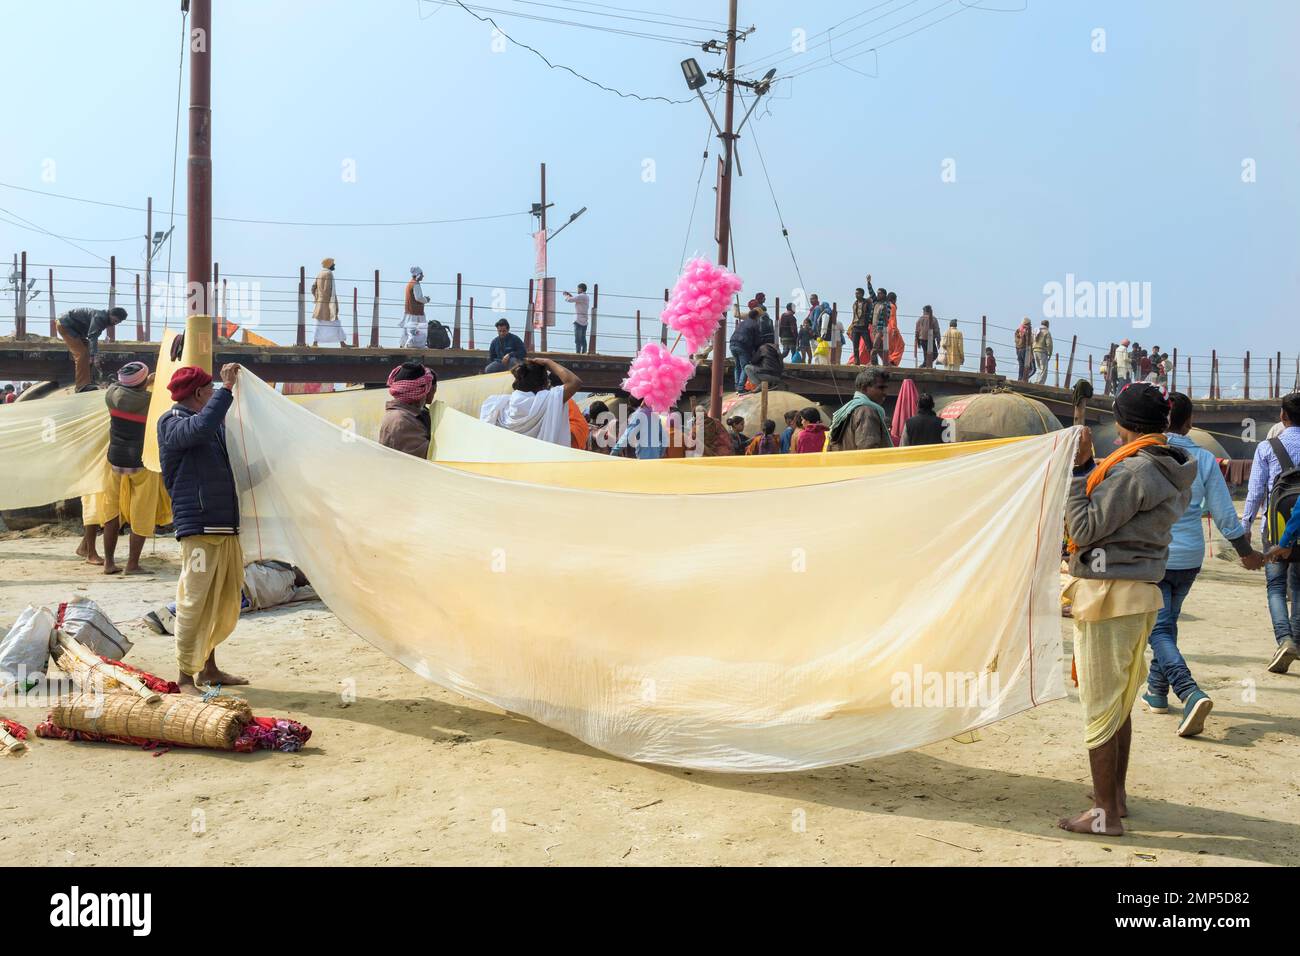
(1123, 530)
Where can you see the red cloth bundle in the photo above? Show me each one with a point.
(19, 732)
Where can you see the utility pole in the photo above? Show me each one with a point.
(198, 261)
(148, 270)
(546, 266)
(718, 366)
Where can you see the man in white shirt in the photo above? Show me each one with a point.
(535, 407)
(581, 305)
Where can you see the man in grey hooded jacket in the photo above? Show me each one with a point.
(1118, 518)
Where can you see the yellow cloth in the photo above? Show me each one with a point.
(197, 351)
(207, 596)
(1097, 600)
(651, 662)
(139, 499)
(1111, 662)
(53, 448)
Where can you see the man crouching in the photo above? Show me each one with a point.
(205, 509)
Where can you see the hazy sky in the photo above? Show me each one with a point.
(993, 153)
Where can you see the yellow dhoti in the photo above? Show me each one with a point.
(101, 507)
(141, 501)
(1112, 620)
(207, 596)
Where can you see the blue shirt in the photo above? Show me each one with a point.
(1292, 530)
(1209, 493)
(648, 432)
(503, 345)
(786, 437)
(1265, 470)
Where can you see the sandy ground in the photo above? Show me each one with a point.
(411, 774)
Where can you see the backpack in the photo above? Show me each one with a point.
(1282, 496)
(438, 337)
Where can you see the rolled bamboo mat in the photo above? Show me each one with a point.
(177, 718)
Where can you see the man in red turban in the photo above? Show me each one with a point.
(205, 508)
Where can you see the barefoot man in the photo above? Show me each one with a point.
(134, 494)
(1118, 518)
(205, 505)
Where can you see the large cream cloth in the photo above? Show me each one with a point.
(607, 614)
(53, 448)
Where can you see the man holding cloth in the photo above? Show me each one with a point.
(205, 506)
(1118, 518)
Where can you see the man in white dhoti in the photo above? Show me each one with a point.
(536, 407)
(415, 326)
(326, 311)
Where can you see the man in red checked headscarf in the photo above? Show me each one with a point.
(205, 508)
(406, 426)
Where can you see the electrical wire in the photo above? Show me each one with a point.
(273, 222)
(704, 162)
(18, 225)
(880, 46)
(52, 235)
(721, 28)
(560, 66)
(617, 31)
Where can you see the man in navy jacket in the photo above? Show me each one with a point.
(205, 508)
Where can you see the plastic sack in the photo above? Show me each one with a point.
(84, 622)
(25, 650)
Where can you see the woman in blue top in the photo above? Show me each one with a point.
(1186, 551)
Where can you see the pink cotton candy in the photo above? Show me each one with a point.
(658, 377)
(698, 300)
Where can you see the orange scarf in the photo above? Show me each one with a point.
(1114, 458)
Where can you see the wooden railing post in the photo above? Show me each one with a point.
(471, 323)
(528, 321)
(1057, 357)
(356, 331)
(455, 325)
(663, 326)
(374, 316)
(54, 331)
(139, 316)
(1245, 372)
(1069, 368)
(1173, 372)
(301, 338)
(112, 294)
(214, 302)
(595, 305)
(1214, 373)
(638, 330)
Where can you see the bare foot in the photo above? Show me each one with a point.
(1123, 801)
(95, 560)
(221, 677)
(1091, 822)
(136, 570)
(187, 686)
(111, 568)
(81, 550)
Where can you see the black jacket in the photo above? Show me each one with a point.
(196, 467)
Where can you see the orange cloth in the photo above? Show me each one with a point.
(579, 428)
(896, 344)
(1114, 458)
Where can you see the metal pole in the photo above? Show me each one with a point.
(718, 364)
(547, 264)
(1069, 368)
(638, 330)
(218, 325)
(984, 334)
(356, 336)
(198, 262)
(595, 307)
(148, 273)
(54, 322)
(1245, 372)
(1173, 373)
(471, 323)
